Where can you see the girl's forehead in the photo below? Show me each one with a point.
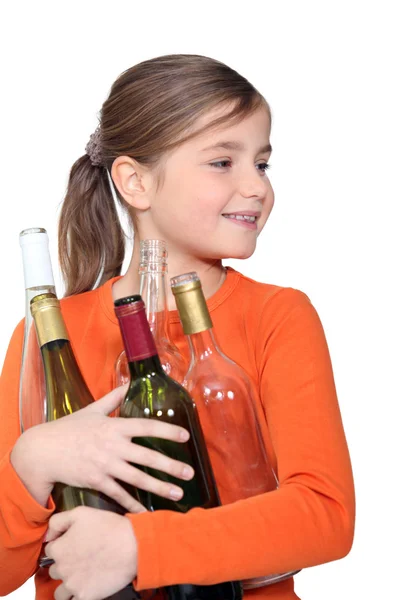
(225, 110)
(260, 118)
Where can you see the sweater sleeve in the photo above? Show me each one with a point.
(309, 519)
(23, 521)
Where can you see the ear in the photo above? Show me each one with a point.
(133, 182)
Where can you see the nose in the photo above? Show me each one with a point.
(253, 184)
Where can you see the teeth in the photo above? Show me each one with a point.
(241, 218)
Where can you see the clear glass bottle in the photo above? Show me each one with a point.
(153, 270)
(38, 276)
(224, 398)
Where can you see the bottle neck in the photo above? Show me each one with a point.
(203, 345)
(139, 344)
(36, 259)
(31, 293)
(59, 360)
(49, 321)
(154, 293)
(146, 366)
(66, 389)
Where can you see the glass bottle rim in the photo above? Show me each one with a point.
(150, 243)
(153, 255)
(185, 279)
(32, 230)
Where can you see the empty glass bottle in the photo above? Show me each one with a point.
(223, 395)
(153, 271)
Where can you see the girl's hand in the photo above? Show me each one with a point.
(95, 553)
(89, 449)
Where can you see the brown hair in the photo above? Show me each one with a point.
(150, 110)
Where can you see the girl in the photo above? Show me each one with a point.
(186, 143)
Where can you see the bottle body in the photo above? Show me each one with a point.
(38, 279)
(153, 271)
(224, 396)
(66, 392)
(153, 394)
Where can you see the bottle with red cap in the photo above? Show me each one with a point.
(153, 394)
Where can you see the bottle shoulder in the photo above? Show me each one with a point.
(155, 385)
(67, 390)
(158, 397)
(216, 365)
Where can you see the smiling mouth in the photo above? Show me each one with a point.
(247, 218)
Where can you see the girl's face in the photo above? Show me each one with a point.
(214, 202)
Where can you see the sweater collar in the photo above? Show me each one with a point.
(231, 281)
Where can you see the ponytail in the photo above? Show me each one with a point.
(91, 241)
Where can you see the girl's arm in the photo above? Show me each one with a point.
(23, 520)
(99, 450)
(309, 520)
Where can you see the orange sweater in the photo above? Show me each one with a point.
(276, 335)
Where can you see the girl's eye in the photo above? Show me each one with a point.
(220, 162)
(264, 166)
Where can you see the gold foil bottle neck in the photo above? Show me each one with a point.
(191, 304)
(49, 323)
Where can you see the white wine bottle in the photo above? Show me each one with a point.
(66, 392)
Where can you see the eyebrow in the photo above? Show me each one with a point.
(235, 145)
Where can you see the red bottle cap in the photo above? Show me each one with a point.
(135, 330)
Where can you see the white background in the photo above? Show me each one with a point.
(330, 71)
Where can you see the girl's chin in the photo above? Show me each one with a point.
(241, 253)
(244, 255)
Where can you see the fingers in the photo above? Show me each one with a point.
(114, 490)
(138, 427)
(53, 572)
(156, 485)
(58, 524)
(62, 592)
(140, 455)
(110, 402)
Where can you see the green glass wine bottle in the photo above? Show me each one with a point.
(153, 394)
